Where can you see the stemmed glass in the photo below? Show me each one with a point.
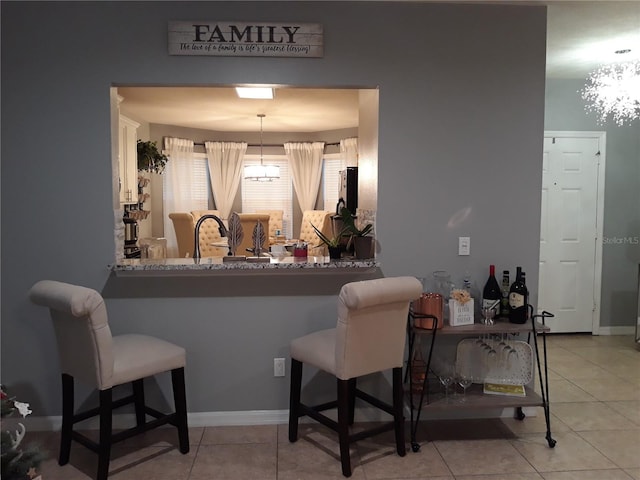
(465, 381)
(446, 378)
(487, 315)
(445, 373)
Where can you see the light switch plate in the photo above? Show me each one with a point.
(464, 245)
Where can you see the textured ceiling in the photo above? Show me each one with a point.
(581, 35)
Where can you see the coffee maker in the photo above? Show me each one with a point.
(131, 249)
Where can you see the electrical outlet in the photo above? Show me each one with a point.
(464, 245)
(278, 367)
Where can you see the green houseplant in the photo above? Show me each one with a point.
(332, 243)
(350, 225)
(362, 240)
(151, 159)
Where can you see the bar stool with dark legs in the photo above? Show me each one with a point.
(370, 337)
(90, 354)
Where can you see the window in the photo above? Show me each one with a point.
(331, 167)
(186, 185)
(274, 195)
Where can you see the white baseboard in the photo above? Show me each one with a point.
(260, 417)
(626, 330)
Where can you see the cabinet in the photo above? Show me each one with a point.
(423, 384)
(128, 159)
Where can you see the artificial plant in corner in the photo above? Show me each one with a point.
(150, 159)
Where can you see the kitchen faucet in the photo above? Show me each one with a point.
(222, 229)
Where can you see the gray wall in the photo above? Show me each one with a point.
(460, 148)
(564, 110)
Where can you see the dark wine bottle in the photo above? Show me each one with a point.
(506, 285)
(518, 297)
(491, 292)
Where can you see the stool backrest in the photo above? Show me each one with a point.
(82, 330)
(372, 325)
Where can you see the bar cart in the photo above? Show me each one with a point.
(421, 397)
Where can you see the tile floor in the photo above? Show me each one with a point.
(595, 418)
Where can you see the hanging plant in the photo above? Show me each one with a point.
(151, 159)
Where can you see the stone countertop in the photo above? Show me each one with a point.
(216, 266)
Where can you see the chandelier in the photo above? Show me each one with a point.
(614, 90)
(262, 172)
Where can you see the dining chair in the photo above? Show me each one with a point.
(275, 222)
(210, 235)
(90, 354)
(322, 221)
(184, 228)
(248, 222)
(369, 337)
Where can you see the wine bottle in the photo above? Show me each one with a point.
(504, 306)
(491, 292)
(518, 296)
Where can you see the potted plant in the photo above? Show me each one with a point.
(332, 243)
(151, 159)
(362, 241)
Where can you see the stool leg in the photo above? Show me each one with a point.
(343, 426)
(138, 399)
(294, 398)
(398, 406)
(67, 419)
(352, 400)
(104, 450)
(180, 400)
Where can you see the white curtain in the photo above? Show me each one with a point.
(349, 151)
(306, 168)
(178, 192)
(225, 171)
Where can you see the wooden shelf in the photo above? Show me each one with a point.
(500, 326)
(476, 399)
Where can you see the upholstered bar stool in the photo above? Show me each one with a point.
(369, 337)
(88, 353)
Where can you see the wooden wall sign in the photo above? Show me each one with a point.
(246, 39)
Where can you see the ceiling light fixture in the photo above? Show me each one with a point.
(265, 93)
(261, 173)
(614, 90)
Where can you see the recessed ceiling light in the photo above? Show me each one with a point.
(624, 50)
(255, 92)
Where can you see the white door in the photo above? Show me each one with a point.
(569, 282)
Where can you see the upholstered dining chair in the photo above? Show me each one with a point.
(275, 221)
(248, 222)
(209, 234)
(184, 228)
(369, 337)
(90, 354)
(322, 221)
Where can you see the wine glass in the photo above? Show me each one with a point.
(465, 381)
(446, 376)
(487, 315)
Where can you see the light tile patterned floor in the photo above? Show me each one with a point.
(595, 418)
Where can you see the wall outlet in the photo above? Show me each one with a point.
(464, 245)
(278, 367)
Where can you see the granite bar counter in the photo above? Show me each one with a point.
(216, 266)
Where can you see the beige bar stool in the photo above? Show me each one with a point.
(369, 337)
(88, 353)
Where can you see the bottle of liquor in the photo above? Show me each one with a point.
(491, 292)
(504, 306)
(518, 296)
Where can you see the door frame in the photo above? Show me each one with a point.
(599, 239)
